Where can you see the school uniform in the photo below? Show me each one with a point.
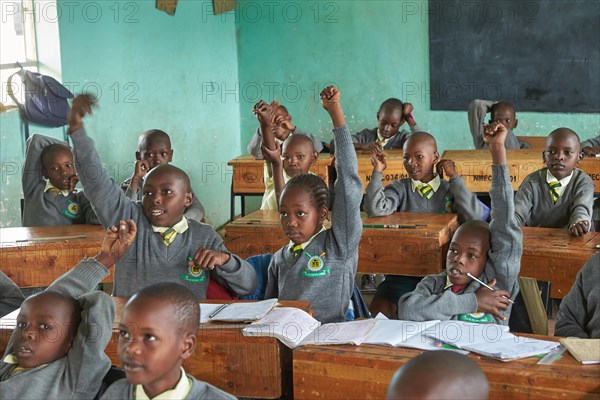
(433, 298)
(152, 258)
(269, 199)
(10, 295)
(476, 115)
(536, 206)
(322, 271)
(395, 142)
(195, 211)
(188, 388)
(254, 146)
(579, 313)
(44, 204)
(592, 142)
(79, 374)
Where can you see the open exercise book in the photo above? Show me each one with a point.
(295, 328)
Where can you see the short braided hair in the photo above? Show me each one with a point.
(314, 185)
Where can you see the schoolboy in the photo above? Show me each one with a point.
(10, 295)
(157, 332)
(282, 127)
(559, 195)
(297, 156)
(154, 148)
(492, 254)
(57, 348)
(579, 313)
(168, 246)
(591, 147)
(49, 181)
(502, 112)
(423, 191)
(439, 375)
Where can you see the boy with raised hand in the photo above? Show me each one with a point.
(490, 253)
(501, 112)
(168, 246)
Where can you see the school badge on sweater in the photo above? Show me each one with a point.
(194, 274)
(476, 317)
(72, 210)
(315, 266)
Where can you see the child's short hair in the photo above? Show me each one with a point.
(178, 173)
(299, 137)
(495, 106)
(52, 149)
(152, 133)
(563, 131)
(186, 311)
(314, 185)
(421, 136)
(391, 103)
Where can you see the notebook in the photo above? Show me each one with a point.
(239, 311)
(586, 351)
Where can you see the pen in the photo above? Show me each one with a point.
(393, 226)
(218, 310)
(51, 238)
(487, 286)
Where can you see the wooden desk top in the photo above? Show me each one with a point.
(248, 172)
(344, 371)
(418, 252)
(536, 142)
(553, 255)
(31, 261)
(395, 167)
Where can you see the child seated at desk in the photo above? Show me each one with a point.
(591, 147)
(57, 348)
(490, 253)
(423, 191)
(281, 126)
(10, 295)
(157, 332)
(579, 313)
(154, 148)
(168, 246)
(439, 375)
(502, 112)
(282, 162)
(49, 181)
(559, 195)
(319, 265)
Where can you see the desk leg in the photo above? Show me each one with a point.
(231, 204)
(243, 200)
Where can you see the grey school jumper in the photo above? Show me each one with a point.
(534, 205)
(476, 115)
(395, 142)
(195, 211)
(579, 313)
(430, 301)
(10, 295)
(592, 142)
(149, 260)
(451, 196)
(327, 285)
(255, 143)
(45, 208)
(122, 389)
(78, 375)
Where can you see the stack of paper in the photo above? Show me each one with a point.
(236, 312)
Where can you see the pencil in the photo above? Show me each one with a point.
(487, 286)
(383, 226)
(218, 310)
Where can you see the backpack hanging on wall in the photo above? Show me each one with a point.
(45, 100)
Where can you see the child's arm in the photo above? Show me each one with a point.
(465, 203)
(591, 147)
(272, 288)
(346, 223)
(32, 173)
(274, 158)
(108, 200)
(380, 201)
(141, 169)
(476, 115)
(580, 221)
(10, 297)
(524, 202)
(88, 216)
(196, 210)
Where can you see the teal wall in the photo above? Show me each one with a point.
(197, 75)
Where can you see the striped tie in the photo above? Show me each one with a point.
(297, 250)
(553, 186)
(168, 236)
(425, 190)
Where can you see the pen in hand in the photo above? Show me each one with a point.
(486, 285)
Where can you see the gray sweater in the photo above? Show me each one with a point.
(10, 295)
(534, 205)
(195, 211)
(148, 260)
(398, 196)
(430, 301)
(45, 208)
(579, 313)
(395, 142)
(78, 375)
(330, 287)
(254, 146)
(122, 389)
(476, 115)
(593, 142)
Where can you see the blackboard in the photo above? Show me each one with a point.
(540, 55)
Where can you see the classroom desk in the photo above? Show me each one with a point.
(395, 167)
(416, 252)
(248, 177)
(32, 262)
(536, 142)
(364, 372)
(553, 255)
(475, 166)
(256, 367)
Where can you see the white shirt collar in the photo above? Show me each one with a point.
(434, 183)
